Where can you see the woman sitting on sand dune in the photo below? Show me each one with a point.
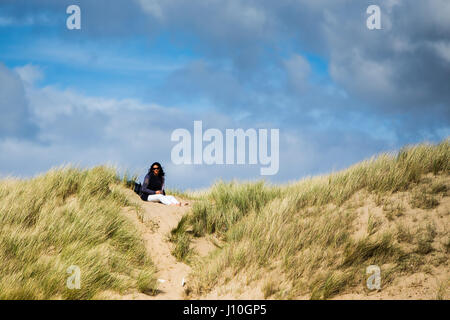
(153, 187)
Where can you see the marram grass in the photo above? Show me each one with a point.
(69, 217)
(304, 229)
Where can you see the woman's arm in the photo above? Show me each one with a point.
(145, 185)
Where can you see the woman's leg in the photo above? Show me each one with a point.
(163, 199)
(172, 199)
(155, 197)
(168, 200)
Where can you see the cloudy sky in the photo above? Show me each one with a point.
(114, 91)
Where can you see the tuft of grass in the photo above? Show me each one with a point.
(393, 210)
(147, 283)
(404, 234)
(438, 187)
(330, 285)
(422, 199)
(373, 224)
(425, 240)
(442, 290)
(67, 217)
(377, 250)
(182, 240)
(269, 288)
(182, 250)
(226, 204)
(424, 246)
(409, 263)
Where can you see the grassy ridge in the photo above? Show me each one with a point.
(68, 217)
(304, 230)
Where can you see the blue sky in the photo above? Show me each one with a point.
(114, 91)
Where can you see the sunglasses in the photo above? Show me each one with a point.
(153, 169)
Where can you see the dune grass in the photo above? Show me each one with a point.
(69, 217)
(305, 229)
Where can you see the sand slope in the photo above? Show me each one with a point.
(155, 223)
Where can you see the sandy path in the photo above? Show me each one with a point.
(155, 224)
(159, 249)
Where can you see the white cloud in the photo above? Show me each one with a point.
(29, 73)
(368, 77)
(152, 7)
(86, 131)
(14, 109)
(93, 55)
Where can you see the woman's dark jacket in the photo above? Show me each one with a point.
(152, 184)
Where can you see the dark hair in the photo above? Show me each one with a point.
(161, 171)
